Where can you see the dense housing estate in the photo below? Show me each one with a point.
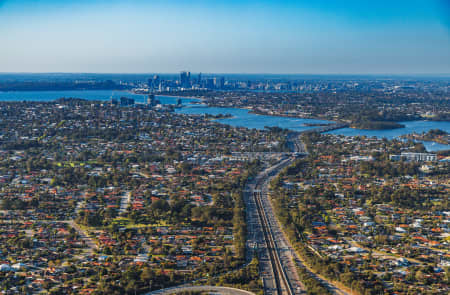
(93, 193)
(376, 223)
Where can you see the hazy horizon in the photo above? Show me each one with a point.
(412, 74)
(348, 37)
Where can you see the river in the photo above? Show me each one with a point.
(243, 118)
(86, 94)
(240, 117)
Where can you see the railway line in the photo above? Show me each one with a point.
(280, 258)
(281, 281)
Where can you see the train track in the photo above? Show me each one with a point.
(280, 277)
(282, 281)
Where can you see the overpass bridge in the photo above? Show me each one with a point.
(190, 288)
(327, 128)
(265, 155)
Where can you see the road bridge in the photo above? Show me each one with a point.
(327, 128)
(190, 288)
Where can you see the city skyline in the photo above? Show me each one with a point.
(279, 37)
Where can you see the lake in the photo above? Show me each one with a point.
(241, 117)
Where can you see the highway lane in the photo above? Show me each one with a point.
(256, 241)
(283, 282)
(266, 238)
(284, 278)
(259, 236)
(288, 256)
(277, 268)
(289, 249)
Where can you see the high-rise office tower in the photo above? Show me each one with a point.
(219, 82)
(155, 82)
(185, 79)
(209, 83)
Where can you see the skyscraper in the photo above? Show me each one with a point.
(185, 79)
(209, 83)
(155, 82)
(219, 82)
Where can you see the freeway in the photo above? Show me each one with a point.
(281, 280)
(295, 143)
(278, 259)
(277, 267)
(290, 256)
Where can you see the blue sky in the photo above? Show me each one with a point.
(137, 36)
